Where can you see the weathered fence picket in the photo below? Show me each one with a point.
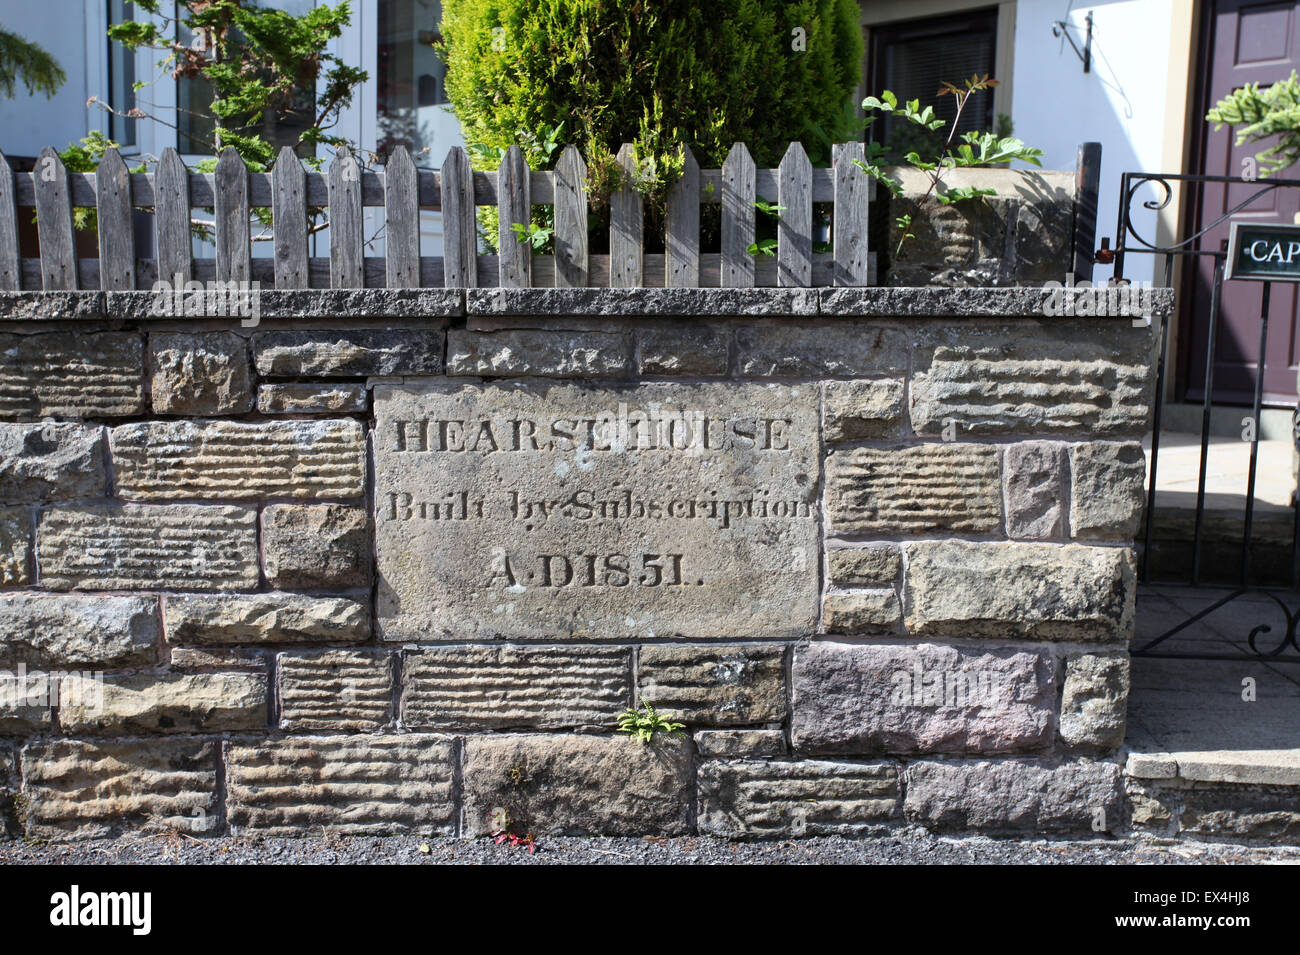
(794, 227)
(234, 245)
(11, 269)
(346, 223)
(113, 215)
(849, 225)
(401, 221)
(459, 229)
(171, 193)
(515, 207)
(571, 265)
(682, 228)
(626, 227)
(54, 223)
(739, 190)
(289, 220)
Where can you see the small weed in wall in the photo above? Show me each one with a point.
(502, 832)
(644, 723)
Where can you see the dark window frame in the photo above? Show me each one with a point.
(980, 113)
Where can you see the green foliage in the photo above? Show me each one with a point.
(972, 149)
(643, 725)
(257, 62)
(84, 156)
(537, 236)
(659, 75)
(23, 60)
(771, 213)
(1263, 114)
(845, 127)
(540, 151)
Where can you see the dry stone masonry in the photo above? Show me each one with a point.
(396, 561)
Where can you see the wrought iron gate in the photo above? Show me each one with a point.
(1262, 644)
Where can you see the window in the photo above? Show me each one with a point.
(915, 57)
(411, 94)
(121, 79)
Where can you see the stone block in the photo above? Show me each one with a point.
(71, 375)
(217, 658)
(338, 690)
(862, 410)
(872, 699)
(315, 545)
(199, 373)
(311, 459)
(687, 349)
(809, 797)
(921, 489)
(25, 700)
(577, 785)
(957, 245)
(61, 631)
(1046, 591)
(859, 566)
(85, 790)
(309, 398)
(516, 687)
(1035, 483)
(163, 547)
(1033, 378)
(532, 511)
(740, 744)
(51, 462)
(206, 620)
(862, 612)
(122, 704)
(347, 785)
(543, 352)
(10, 825)
(15, 546)
(1108, 490)
(1044, 242)
(1036, 795)
(714, 685)
(843, 350)
(1094, 703)
(1240, 813)
(343, 353)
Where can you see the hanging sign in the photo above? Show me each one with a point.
(1264, 252)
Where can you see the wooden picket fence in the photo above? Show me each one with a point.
(172, 193)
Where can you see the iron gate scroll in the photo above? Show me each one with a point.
(1263, 252)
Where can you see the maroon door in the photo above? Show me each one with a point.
(1246, 42)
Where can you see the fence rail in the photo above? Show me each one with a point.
(171, 193)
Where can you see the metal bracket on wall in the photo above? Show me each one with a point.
(1061, 28)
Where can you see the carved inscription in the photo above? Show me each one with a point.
(535, 511)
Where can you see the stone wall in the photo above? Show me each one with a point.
(396, 561)
(1021, 234)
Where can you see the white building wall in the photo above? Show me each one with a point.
(68, 30)
(1121, 103)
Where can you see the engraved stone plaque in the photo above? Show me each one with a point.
(529, 510)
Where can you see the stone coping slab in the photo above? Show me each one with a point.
(1260, 767)
(543, 303)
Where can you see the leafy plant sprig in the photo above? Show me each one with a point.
(971, 149)
(1262, 114)
(765, 245)
(643, 725)
(537, 236)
